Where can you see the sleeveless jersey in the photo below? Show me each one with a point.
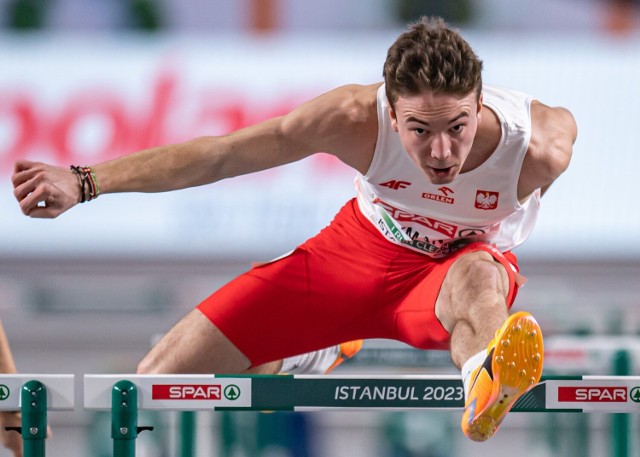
(478, 205)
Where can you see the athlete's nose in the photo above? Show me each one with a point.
(441, 147)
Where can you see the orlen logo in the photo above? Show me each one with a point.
(186, 392)
(593, 394)
(444, 198)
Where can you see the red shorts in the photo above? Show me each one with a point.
(346, 283)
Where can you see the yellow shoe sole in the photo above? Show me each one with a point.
(517, 363)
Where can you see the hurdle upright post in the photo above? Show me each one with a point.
(620, 422)
(34, 418)
(187, 434)
(124, 418)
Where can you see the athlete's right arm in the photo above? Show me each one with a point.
(340, 122)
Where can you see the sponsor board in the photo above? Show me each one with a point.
(219, 392)
(184, 392)
(596, 394)
(310, 392)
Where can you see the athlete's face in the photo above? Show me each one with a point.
(437, 130)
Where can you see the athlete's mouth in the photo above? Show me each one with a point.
(441, 171)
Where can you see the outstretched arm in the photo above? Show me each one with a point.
(554, 132)
(340, 122)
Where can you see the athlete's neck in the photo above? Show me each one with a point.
(486, 140)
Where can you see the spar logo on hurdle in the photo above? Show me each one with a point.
(599, 394)
(590, 394)
(595, 394)
(211, 392)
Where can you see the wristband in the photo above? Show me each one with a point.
(87, 182)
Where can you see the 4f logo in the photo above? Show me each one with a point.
(395, 185)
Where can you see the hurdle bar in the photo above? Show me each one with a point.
(33, 395)
(581, 394)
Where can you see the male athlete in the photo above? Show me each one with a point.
(449, 179)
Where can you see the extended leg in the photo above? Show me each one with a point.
(510, 350)
(472, 303)
(194, 345)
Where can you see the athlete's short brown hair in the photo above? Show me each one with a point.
(431, 56)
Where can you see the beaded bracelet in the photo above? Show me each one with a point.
(87, 181)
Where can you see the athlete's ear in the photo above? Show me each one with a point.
(394, 118)
(480, 98)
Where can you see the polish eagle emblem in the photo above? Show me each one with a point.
(486, 199)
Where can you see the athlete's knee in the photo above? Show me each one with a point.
(474, 293)
(479, 273)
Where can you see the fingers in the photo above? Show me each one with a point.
(41, 204)
(23, 170)
(22, 165)
(43, 191)
(29, 195)
(15, 445)
(10, 439)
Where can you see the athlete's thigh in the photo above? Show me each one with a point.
(302, 302)
(194, 345)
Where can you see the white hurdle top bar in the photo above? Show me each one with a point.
(59, 387)
(613, 394)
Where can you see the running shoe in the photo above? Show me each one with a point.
(345, 352)
(513, 366)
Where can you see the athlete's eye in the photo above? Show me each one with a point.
(457, 128)
(419, 131)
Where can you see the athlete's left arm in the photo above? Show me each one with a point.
(553, 133)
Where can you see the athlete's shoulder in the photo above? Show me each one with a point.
(355, 101)
(342, 122)
(553, 133)
(348, 103)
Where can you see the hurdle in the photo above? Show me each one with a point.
(577, 394)
(34, 395)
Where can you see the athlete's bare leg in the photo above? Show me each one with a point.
(266, 368)
(195, 345)
(472, 303)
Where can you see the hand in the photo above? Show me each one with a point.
(10, 439)
(44, 191)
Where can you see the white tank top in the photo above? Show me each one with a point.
(479, 205)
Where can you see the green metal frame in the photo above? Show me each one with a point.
(124, 419)
(34, 418)
(33, 429)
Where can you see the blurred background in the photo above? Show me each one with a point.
(83, 81)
